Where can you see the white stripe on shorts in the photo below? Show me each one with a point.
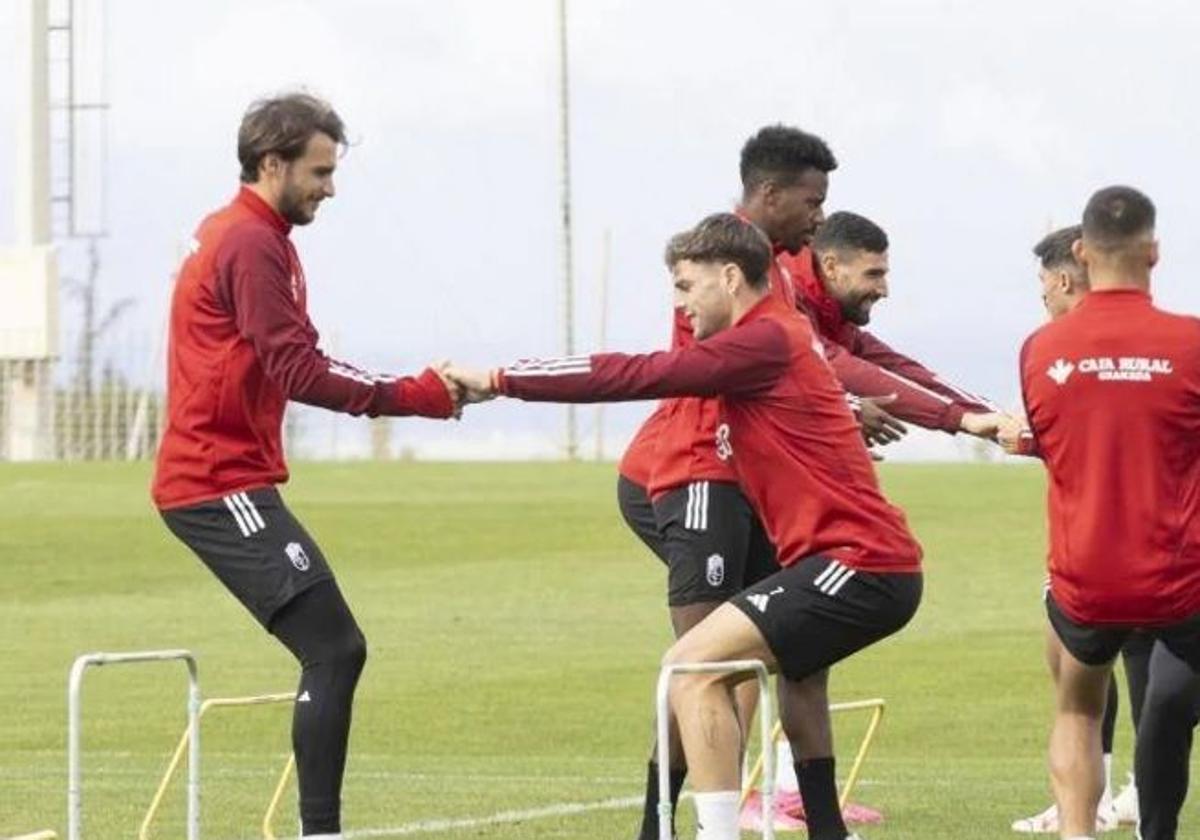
(249, 503)
(832, 568)
(237, 515)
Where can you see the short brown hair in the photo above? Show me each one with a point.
(724, 237)
(1055, 248)
(283, 125)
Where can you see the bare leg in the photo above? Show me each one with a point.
(1076, 765)
(703, 703)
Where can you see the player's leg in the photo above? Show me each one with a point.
(705, 530)
(1084, 659)
(799, 621)
(319, 630)
(264, 557)
(1135, 656)
(1164, 743)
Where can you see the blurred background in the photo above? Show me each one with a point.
(966, 130)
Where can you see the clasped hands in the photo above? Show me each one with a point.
(466, 385)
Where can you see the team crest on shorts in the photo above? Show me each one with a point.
(295, 553)
(715, 574)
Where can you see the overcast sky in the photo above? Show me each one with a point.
(965, 129)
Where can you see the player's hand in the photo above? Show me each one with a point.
(455, 391)
(1009, 434)
(878, 427)
(983, 424)
(475, 385)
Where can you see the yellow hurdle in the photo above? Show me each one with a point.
(257, 700)
(877, 705)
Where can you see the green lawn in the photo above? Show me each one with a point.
(515, 628)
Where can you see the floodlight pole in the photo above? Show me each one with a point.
(565, 203)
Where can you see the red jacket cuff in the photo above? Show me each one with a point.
(952, 418)
(426, 395)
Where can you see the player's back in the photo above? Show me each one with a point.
(223, 412)
(1113, 396)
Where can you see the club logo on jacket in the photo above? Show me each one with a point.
(715, 574)
(724, 447)
(1113, 369)
(1060, 371)
(295, 553)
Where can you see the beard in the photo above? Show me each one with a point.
(294, 207)
(857, 312)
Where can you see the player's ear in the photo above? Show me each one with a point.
(732, 278)
(1153, 253)
(828, 263)
(1079, 252)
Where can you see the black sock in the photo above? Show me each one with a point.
(818, 789)
(650, 814)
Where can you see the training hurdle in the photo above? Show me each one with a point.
(766, 719)
(37, 835)
(74, 726)
(876, 705)
(177, 757)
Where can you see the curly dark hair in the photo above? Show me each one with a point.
(781, 154)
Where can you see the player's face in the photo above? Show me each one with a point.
(1056, 292)
(796, 211)
(858, 280)
(308, 180)
(704, 293)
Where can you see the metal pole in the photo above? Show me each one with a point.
(565, 202)
(605, 258)
(31, 187)
(663, 711)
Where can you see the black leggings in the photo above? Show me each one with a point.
(319, 630)
(1164, 742)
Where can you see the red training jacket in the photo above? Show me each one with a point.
(674, 446)
(785, 426)
(867, 367)
(1112, 392)
(241, 345)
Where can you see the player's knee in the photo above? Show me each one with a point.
(348, 653)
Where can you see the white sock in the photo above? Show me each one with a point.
(717, 815)
(785, 768)
(1107, 777)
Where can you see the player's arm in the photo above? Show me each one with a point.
(870, 348)
(1018, 437)
(743, 361)
(256, 285)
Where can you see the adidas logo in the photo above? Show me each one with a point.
(304, 698)
(1060, 371)
(760, 600)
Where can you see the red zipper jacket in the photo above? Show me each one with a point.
(241, 345)
(1112, 392)
(786, 429)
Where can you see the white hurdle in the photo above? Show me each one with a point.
(663, 711)
(74, 767)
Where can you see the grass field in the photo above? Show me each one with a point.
(515, 628)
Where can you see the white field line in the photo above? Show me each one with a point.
(561, 810)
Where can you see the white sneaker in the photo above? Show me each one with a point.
(1125, 804)
(1047, 821)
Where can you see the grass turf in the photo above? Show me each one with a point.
(515, 627)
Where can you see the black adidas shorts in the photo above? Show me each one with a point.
(254, 545)
(1099, 644)
(638, 513)
(818, 612)
(707, 535)
(715, 545)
